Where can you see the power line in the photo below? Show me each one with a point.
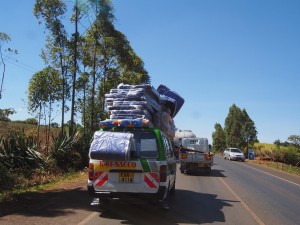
(12, 62)
(18, 61)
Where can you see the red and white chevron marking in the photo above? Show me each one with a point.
(100, 178)
(151, 179)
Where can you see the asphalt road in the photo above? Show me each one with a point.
(234, 193)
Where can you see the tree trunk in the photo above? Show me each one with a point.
(63, 95)
(49, 122)
(3, 73)
(39, 124)
(93, 92)
(71, 131)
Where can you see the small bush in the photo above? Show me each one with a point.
(64, 151)
(31, 121)
(19, 152)
(292, 156)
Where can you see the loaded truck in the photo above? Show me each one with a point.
(195, 155)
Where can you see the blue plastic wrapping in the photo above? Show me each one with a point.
(168, 104)
(164, 90)
(114, 146)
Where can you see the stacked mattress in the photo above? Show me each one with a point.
(142, 106)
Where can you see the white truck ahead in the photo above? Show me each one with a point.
(195, 155)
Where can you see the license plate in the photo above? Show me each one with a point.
(199, 157)
(126, 177)
(201, 165)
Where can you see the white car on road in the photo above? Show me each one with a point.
(233, 154)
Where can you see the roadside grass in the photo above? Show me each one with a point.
(273, 156)
(277, 165)
(53, 183)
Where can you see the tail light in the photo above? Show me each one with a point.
(163, 173)
(207, 157)
(91, 171)
(183, 155)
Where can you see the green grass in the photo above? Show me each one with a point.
(65, 178)
(279, 166)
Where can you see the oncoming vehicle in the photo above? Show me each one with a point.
(233, 154)
(131, 162)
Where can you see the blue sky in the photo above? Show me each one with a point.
(214, 53)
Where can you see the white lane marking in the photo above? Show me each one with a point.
(87, 219)
(273, 175)
(254, 216)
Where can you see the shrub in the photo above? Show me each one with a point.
(55, 125)
(292, 156)
(31, 121)
(65, 153)
(19, 152)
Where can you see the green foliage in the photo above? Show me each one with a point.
(248, 131)
(19, 153)
(4, 114)
(239, 129)
(55, 125)
(31, 121)
(104, 54)
(278, 153)
(219, 138)
(64, 152)
(22, 164)
(295, 140)
(44, 89)
(292, 156)
(4, 38)
(51, 11)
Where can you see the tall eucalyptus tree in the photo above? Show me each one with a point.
(239, 128)
(43, 91)
(56, 52)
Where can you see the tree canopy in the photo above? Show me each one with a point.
(89, 63)
(239, 130)
(219, 138)
(5, 113)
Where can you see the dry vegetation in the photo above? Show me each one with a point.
(29, 130)
(276, 157)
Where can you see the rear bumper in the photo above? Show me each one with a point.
(192, 165)
(106, 194)
(237, 158)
